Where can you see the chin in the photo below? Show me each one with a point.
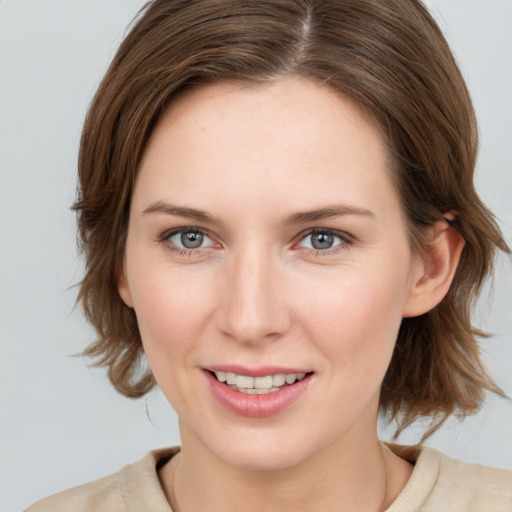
(257, 459)
(263, 450)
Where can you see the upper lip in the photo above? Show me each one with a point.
(260, 371)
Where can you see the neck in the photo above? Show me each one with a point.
(352, 475)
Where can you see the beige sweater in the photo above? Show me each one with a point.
(438, 484)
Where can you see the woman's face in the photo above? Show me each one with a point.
(266, 244)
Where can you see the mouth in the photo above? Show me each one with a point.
(258, 385)
(263, 393)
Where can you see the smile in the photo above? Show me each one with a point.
(269, 392)
(258, 385)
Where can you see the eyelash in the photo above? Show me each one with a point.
(167, 236)
(344, 238)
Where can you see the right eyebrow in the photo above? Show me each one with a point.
(180, 211)
(324, 213)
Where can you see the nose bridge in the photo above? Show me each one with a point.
(253, 308)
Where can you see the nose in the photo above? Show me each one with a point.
(254, 306)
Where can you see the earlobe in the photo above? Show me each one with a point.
(435, 270)
(122, 286)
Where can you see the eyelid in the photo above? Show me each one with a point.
(336, 232)
(346, 239)
(168, 234)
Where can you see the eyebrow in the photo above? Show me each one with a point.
(324, 213)
(290, 220)
(181, 211)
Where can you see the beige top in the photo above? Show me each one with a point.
(438, 484)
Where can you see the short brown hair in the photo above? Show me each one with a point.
(388, 56)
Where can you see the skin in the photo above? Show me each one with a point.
(256, 293)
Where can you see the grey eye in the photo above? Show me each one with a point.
(321, 240)
(190, 239)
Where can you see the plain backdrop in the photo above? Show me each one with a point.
(61, 423)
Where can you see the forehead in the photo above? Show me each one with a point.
(290, 141)
(294, 104)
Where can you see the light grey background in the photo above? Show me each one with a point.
(61, 423)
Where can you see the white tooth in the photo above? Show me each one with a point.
(254, 391)
(263, 382)
(290, 378)
(242, 381)
(263, 391)
(221, 376)
(278, 380)
(300, 376)
(246, 391)
(230, 378)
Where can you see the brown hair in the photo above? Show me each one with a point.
(391, 58)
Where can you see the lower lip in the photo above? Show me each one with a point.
(257, 406)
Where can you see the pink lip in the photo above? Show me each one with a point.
(257, 406)
(261, 371)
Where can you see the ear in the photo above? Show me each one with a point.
(434, 270)
(122, 285)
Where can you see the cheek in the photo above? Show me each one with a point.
(171, 313)
(356, 320)
(172, 308)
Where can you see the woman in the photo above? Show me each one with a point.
(277, 211)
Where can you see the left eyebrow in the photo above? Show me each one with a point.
(180, 211)
(324, 213)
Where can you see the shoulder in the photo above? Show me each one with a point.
(135, 484)
(98, 496)
(473, 486)
(442, 484)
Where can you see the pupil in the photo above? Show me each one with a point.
(192, 239)
(322, 240)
